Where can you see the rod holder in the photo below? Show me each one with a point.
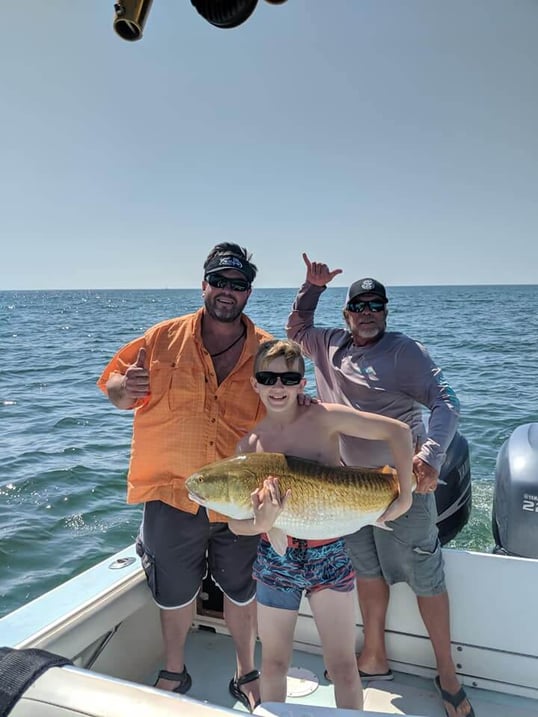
(130, 17)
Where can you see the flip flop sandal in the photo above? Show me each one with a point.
(368, 676)
(377, 676)
(184, 679)
(454, 699)
(236, 691)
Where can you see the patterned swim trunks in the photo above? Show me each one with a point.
(301, 569)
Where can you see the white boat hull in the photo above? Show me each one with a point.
(105, 621)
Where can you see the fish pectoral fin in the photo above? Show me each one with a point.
(382, 525)
(278, 540)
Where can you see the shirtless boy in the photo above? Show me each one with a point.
(320, 568)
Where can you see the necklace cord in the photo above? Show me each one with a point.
(234, 342)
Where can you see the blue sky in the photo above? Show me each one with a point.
(393, 138)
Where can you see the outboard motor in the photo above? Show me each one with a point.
(454, 496)
(515, 497)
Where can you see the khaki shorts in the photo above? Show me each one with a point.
(176, 549)
(410, 553)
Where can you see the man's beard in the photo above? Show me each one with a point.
(369, 331)
(226, 313)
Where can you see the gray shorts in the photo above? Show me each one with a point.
(410, 553)
(176, 548)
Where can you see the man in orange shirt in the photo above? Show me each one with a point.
(188, 381)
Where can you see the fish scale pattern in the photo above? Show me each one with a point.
(325, 501)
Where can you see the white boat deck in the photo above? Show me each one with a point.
(105, 621)
(210, 655)
(68, 692)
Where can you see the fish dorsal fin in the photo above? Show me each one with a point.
(392, 471)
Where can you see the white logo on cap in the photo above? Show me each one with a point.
(230, 261)
(367, 285)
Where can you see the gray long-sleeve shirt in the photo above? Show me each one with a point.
(395, 376)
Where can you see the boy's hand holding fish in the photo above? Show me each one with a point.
(268, 503)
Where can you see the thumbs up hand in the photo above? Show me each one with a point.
(141, 358)
(136, 379)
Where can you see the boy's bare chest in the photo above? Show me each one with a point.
(296, 442)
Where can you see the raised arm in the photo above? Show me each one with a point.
(301, 319)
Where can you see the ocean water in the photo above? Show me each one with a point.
(64, 448)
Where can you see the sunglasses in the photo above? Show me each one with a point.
(223, 282)
(269, 378)
(357, 307)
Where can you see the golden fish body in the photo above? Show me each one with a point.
(325, 502)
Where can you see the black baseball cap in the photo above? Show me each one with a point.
(230, 261)
(366, 286)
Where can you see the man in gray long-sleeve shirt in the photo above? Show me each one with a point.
(389, 373)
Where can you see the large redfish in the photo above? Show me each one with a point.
(325, 501)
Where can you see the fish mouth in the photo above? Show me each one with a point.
(196, 498)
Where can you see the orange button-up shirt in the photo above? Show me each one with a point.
(188, 420)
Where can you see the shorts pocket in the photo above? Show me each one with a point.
(425, 551)
(148, 564)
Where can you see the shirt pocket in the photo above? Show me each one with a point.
(184, 384)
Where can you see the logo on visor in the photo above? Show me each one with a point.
(367, 285)
(230, 261)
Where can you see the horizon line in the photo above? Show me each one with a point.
(271, 288)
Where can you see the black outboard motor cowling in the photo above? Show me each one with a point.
(454, 497)
(515, 497)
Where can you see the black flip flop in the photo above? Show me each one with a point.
(235, 688)
(368, 676)
(454, 699)
(184, 679)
